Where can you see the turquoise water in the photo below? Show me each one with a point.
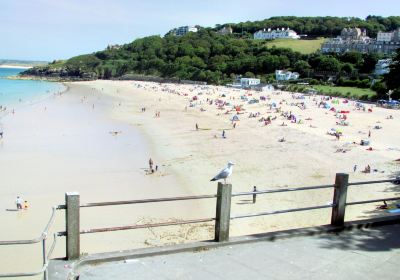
(16, 93)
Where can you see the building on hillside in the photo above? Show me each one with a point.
(113, 47)
(355, 39)
(283, 75)
(276, 34)
(249, 82)
(183, 30)
(384, 36)
(382, 67)
(393, 36)
(226, 30)
(352, 34)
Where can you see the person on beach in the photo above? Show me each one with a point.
(26, 205)
(151, 164)
(355, 168)
(19, 202)
(223, 134)
(369, 134)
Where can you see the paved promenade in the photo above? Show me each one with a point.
(360, 254)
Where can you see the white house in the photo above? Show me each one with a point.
(249, 82)
(267, 87)
(385, 36)
(180, 31)
(382, 66)
(283, 75)
(225, 30)
(276, 34)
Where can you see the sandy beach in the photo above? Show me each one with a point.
(14, 66)
(96, 139)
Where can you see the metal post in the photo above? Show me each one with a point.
(223, 212)
(44, 257)
(72, 225)
(339, 199)
(254, 194)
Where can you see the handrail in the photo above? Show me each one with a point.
(372, 182)
(151, 200)
(42, 270)
(147, 225)
(37, 239)
(282, 211)
(284, 190)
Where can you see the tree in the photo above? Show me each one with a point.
(392, 79)
(369, 62)
(302, 66)
(347, 68)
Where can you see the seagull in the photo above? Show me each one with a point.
(224, 173)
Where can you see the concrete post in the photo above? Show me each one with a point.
(339, 199)
(223, 212)
(72, 225)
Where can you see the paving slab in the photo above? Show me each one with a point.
(369, 253)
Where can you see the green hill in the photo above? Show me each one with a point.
(301, 46)
(218, 59)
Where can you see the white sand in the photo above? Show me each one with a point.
(68, 147)
(15, 66)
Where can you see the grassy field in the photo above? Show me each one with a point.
(302, 46)
(346, 91)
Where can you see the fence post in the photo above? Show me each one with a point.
(72, 225)
(339, 199)
(223, 212)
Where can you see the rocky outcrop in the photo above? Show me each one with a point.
(61, 73)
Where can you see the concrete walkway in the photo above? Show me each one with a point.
(361, 254)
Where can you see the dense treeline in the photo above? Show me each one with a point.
(207, 56)
(217, 59)
(318, 26)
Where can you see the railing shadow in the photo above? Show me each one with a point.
(377, 239)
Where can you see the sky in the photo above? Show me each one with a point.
(59, 29)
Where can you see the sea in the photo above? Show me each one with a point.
(19, 93)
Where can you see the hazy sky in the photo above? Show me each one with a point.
(56, 29)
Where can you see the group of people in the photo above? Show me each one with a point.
(153, 168)
(21, 204)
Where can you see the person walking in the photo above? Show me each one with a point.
(355, 168)
(151, 164)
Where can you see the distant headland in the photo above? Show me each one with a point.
(21, 64)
